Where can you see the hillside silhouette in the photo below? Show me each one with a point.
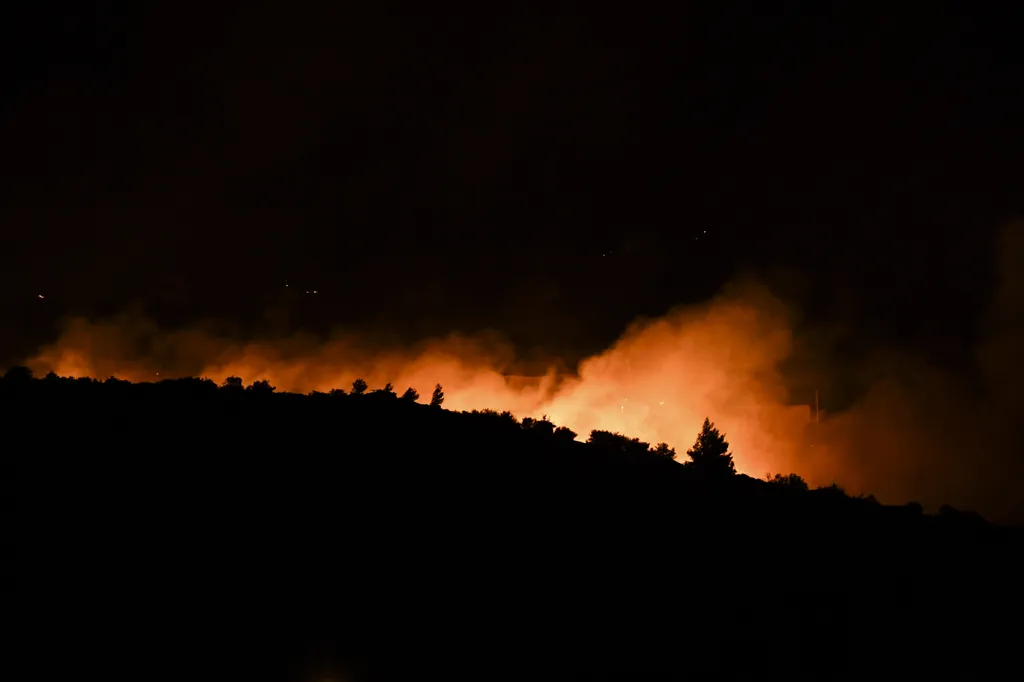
(185, 528)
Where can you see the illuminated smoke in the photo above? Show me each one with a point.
(657, 382)
(917, 432)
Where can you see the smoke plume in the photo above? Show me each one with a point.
(918, 432)
(657, 382)
(937, 435)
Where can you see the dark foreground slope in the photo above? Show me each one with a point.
(175, 531)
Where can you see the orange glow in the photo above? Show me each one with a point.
(918, 431)
(657, 382)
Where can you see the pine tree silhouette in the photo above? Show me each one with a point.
(437, 397)
(710, 452)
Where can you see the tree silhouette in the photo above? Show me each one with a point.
(544, 426)
(663, 450)
(18, 373)
(411, 394)
(437, 398)
(261, 387)
(358, 387)
(16, 378)
(564, 433)
(233, 384)
(710, 452)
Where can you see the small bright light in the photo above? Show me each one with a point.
(41, 296)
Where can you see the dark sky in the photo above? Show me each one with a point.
(550, 176)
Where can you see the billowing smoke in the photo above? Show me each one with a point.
(657, 382)
(917, 432)
(925, 432)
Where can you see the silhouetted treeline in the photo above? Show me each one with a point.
(235, 527)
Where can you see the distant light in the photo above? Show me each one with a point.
(662, 402)
(41, 296)
(315, 291)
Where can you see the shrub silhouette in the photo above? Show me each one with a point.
(233, 384)
(541, 427)
(787, 481)
(261, 387)
(386, 393)
(411, 395)
(17, 376)
(616, 442)
(359, 387)
(960, 517)
(501, 422)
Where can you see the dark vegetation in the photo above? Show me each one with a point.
(182, 529)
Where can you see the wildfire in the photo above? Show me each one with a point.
(657, 382)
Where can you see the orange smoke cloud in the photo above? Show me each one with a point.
(918, 432)
(657, 382)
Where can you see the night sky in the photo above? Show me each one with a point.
(549, 176)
